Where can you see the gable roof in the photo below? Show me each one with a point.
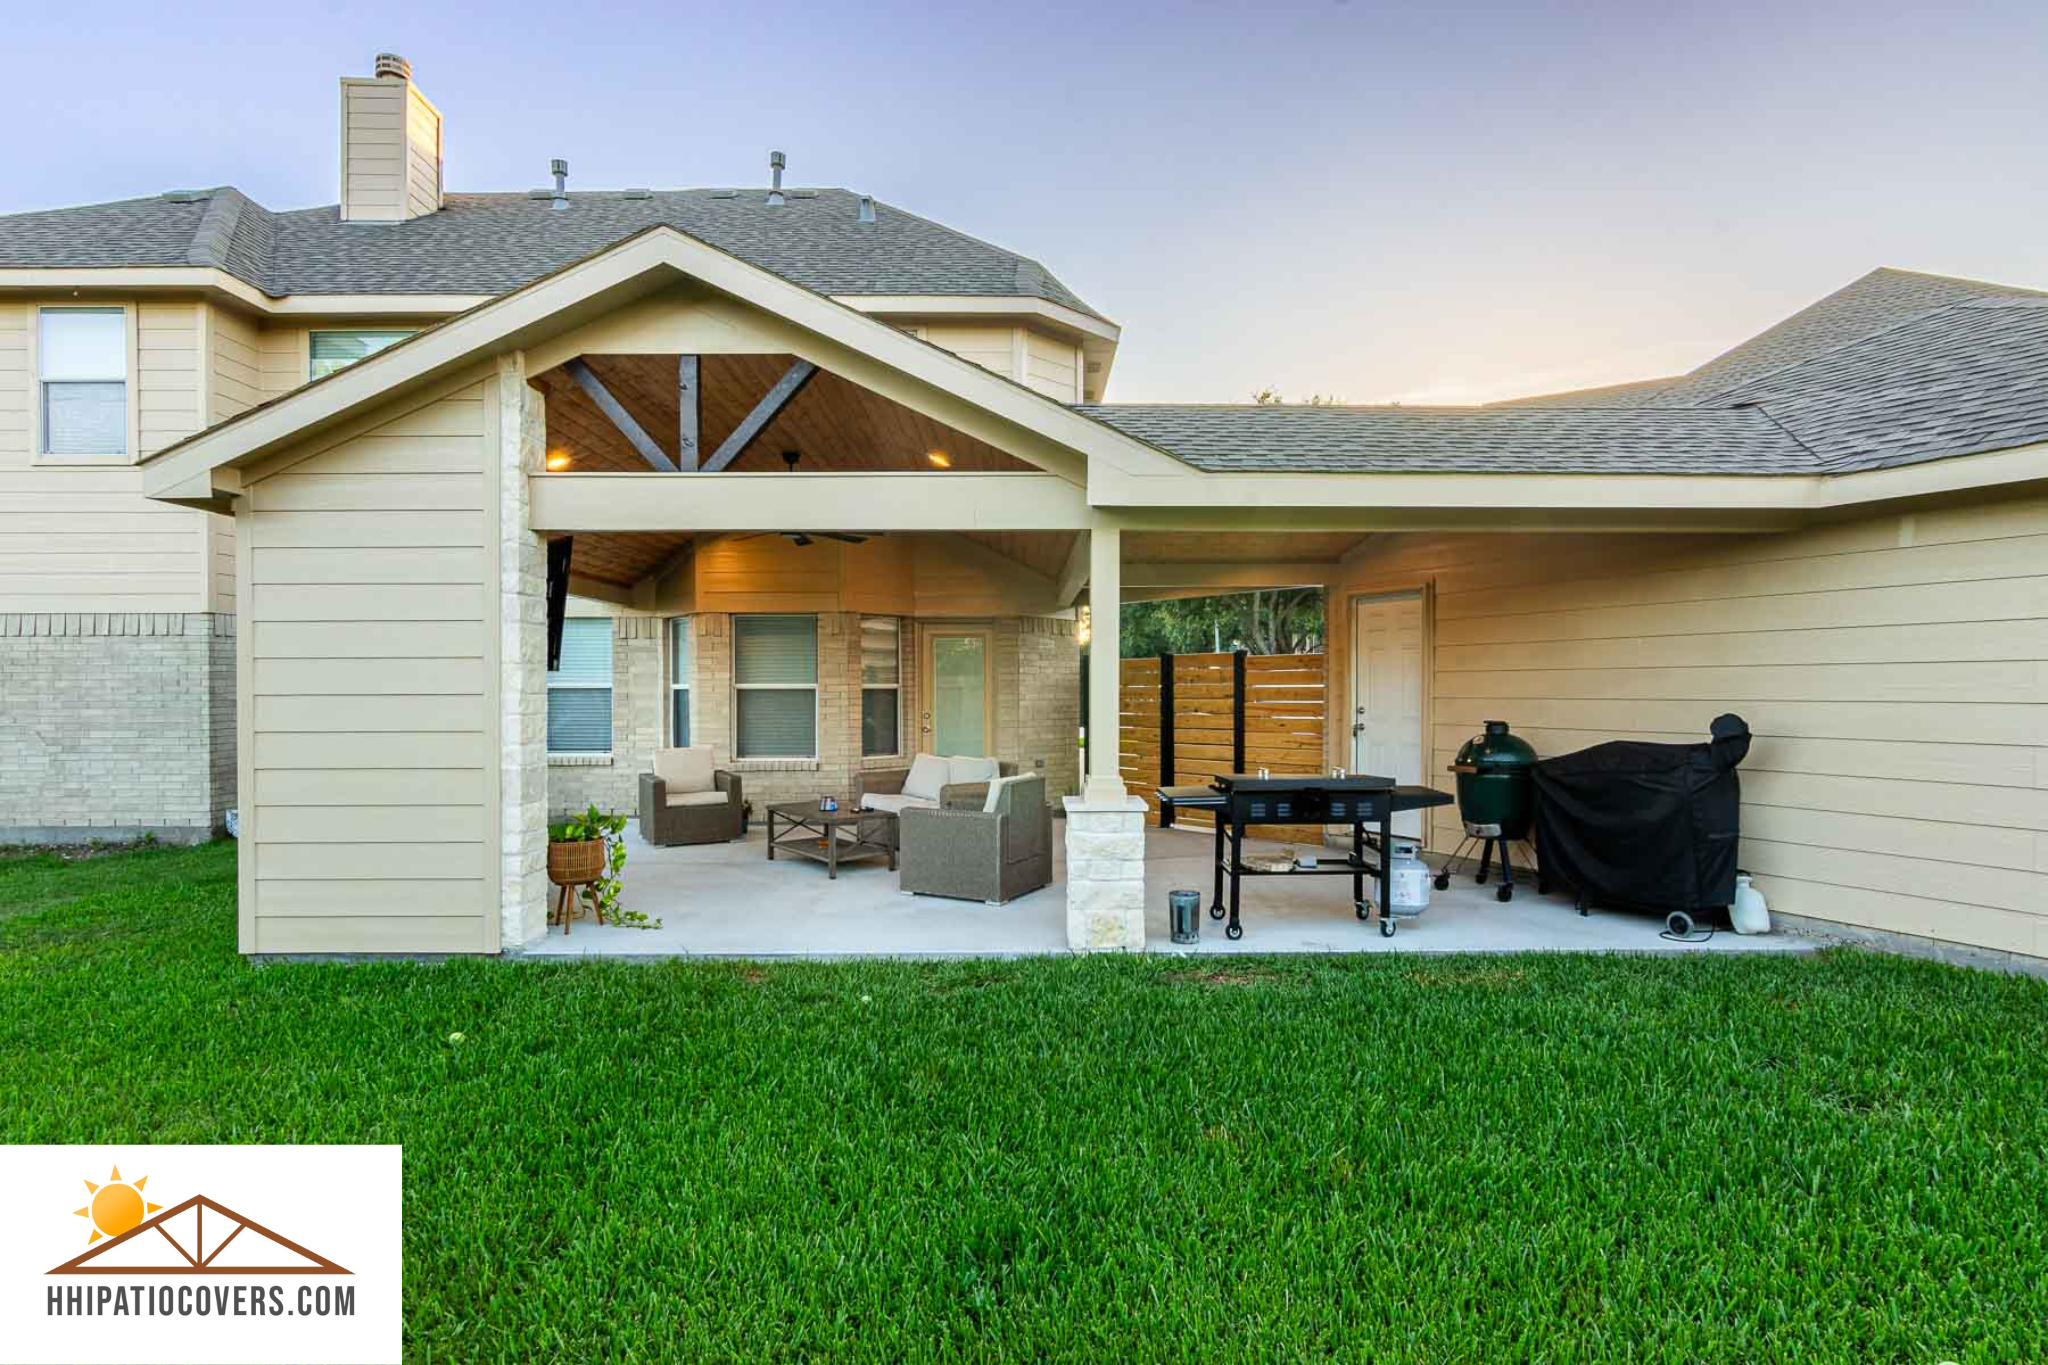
(494, 243)
(612, 277)
(1310, 439)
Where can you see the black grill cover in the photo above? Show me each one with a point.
(1646, 826)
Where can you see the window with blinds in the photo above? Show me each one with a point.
(775, 685)
(580, 691)
(881, 683)
(331, 351)
(82, 364)
(679, 681)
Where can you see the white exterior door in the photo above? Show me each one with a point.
(1386, 693)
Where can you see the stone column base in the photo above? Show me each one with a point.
(1105, 874)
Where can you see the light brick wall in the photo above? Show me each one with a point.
(638, 695)
(1038, 710)
(113, 725)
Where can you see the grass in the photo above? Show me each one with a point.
(1726, 1158)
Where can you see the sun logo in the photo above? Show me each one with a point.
(116, 1207)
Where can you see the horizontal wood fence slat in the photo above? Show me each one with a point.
(1186, 717)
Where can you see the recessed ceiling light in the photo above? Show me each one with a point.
(558, 460)
(939, 458)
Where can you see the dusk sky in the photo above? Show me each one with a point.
(1446, 203)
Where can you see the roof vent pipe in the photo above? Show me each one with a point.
(776, 161)
(391, 64)
(867, 208)
(560, 168)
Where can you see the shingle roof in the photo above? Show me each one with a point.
(491, 243)
(1961, 380)
(1300, 439)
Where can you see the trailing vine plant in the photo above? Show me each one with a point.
(602, 895)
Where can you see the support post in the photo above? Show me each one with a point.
(689, 403)
(1166, 763)
(1237, 658)
(1105, 824)
(1105, 680)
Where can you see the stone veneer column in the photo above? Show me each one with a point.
(522, 662)
(1105, 824)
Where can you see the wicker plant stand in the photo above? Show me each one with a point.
(573, 866)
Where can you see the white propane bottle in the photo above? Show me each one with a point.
(1749, 914)
(1411, 879)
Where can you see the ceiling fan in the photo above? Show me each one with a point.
(790, 458)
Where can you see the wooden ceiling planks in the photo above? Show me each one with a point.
(1042, 552)
(837, 425)
(1237, 547)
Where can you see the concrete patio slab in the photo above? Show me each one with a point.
(727, 900)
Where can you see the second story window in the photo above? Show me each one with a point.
(82, 369)
(331, 351)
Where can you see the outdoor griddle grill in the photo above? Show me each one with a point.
(1240, 799)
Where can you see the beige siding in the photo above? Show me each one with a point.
(1052, 367)
(281, 360)
(991, 347)
(390, 150)
(81, 537)
(1894, 671)
(370, 712)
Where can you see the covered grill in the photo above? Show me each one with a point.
(1645, 826)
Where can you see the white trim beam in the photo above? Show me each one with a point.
(1073, 574)
(955, 501)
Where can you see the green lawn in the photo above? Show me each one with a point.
(1564, 1159)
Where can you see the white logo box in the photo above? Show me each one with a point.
(233, 1254)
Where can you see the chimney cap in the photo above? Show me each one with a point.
(391, 64)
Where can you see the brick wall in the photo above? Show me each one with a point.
(1037, 705)
(115, 725)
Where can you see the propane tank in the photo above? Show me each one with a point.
(1749, 914)
(1410, 880)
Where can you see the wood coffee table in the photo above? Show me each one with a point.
(812, 833)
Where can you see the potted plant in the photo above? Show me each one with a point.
(588, 851)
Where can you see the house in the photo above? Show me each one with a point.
(834, 474)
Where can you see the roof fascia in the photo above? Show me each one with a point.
(213, 280)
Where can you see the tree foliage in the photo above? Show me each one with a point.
(1268, 621)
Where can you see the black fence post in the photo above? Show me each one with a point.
(1165, 734)
(1237, 659)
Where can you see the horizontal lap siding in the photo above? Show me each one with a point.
(1894, 672)
(82, 537)
(370, 613)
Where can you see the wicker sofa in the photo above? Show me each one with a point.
(993, 849)
(687, 801)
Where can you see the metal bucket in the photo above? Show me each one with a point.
(1184, 915)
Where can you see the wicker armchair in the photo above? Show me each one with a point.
(708, 816)
(889, 782)
(967, 853)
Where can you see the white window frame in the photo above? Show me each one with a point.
(738, 687)
(397, 334)
(896, 687)
(676, 625)
(39, 436)
(610, 685)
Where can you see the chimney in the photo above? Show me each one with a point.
(776, 161)
(390, 146)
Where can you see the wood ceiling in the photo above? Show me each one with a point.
(835, 424)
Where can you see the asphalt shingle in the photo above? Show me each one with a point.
(1300, 439)
(491, 243)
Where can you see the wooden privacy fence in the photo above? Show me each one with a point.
(1187, 717)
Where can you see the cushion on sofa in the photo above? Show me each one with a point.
(676, 798)
(684, 770)
(895, 802)
(927, 775)
(972, 770)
